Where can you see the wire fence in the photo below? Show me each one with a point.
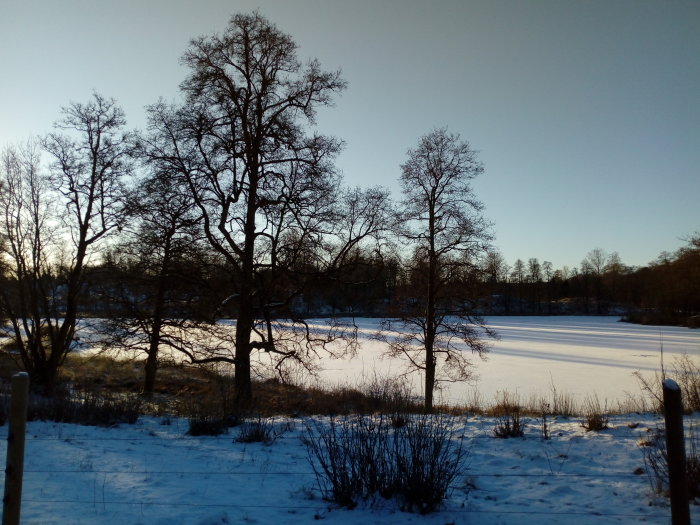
(100, 477)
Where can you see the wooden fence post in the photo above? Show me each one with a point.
(675, 448)
(14, 469)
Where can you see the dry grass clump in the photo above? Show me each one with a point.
(595, 417)
(261, 429)
(508, 414)
(86, 408)
(206, 395)
(686, 372)
(385, 395)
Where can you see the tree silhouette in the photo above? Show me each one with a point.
(443, 223)
(266, 189)
(91, 156)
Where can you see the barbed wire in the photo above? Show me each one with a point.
(330, 507)
(169, 439)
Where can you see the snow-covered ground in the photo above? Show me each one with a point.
(154, 474)
(150, 473)
(580, 356)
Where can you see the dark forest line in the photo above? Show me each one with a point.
(665, 292)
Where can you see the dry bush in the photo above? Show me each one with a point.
(507, 413)
(656, 462)
(428, 457)
(206, 426)
(380, 395)
(100, 371)
(595, 417)
(206, 416)
(85, 408)
(686, 373)
(259, 430)
(357, 458)
(350, 457)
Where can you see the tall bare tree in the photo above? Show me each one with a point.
(444, 224)
(265, 187)
(90, 159)
(29, 287)
(155, 283)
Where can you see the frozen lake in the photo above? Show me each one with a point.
(581, 356)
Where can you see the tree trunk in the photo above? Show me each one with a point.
(430, 313)
(242, 382)
(44, 378)
(246, 312)
(244, 324)
(429, 379)
(151, 367)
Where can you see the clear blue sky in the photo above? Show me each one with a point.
(586, 113)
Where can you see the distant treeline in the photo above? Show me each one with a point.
(664, 292)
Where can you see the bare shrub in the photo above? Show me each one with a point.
(357, 458)
(349, 457)
(427, 459)
(258, 430)
(685, 372)
(595, 417)
(507, 412)
(656, 462)
(390, 395)
(85, 408)
(208, 415)
(206, 426)
(652, 389)
(687, 375)
(545, 429)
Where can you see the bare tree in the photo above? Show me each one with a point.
(90, 160)
(534, 270)
(266, 189)
(593, 268)
(156, 284)
(548, 270)
(494, 267)
(444, 225)
(595, 262)
(29, 289)
(518, 274)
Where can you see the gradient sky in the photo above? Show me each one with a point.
(586, 113)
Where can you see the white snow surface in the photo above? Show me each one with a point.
(578, 355)
(151, 473)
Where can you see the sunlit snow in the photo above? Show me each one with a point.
(152, 473)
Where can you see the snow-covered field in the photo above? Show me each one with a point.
(150, 473)
(155, 474)
(580, 356)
